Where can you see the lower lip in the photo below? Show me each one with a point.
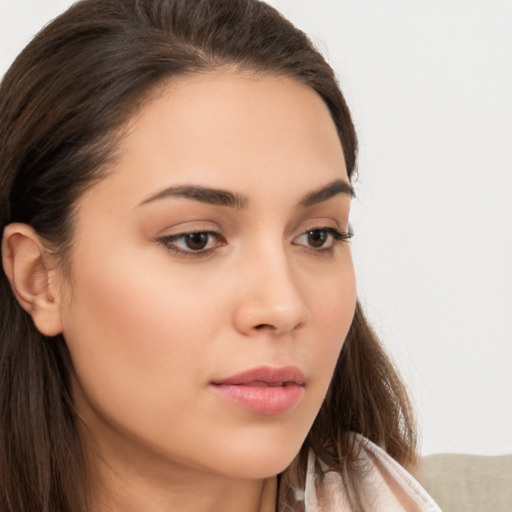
(265, 400)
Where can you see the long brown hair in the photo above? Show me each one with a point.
(62, 106)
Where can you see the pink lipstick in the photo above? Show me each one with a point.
(265, 390)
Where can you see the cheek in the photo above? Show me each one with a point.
(144, 336)
(332, 304)
(138, 306)
(138, 338)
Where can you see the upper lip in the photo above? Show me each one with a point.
(266, 375)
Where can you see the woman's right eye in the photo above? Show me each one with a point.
(198, 243)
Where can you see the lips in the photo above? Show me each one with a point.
(265, 390)
(266, 375)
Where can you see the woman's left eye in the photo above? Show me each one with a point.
(322, 239)
(195, 243)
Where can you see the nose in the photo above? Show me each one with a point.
(271, 298)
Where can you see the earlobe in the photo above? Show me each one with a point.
(26, 267)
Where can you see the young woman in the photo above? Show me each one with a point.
(180, 328)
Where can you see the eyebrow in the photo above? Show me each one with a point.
(219, 197)
(324, 193)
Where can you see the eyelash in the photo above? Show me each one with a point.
(337, 236)
(169, 242)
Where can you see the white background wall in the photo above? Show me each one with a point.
(429, 83)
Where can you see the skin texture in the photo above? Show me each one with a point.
(149, 329)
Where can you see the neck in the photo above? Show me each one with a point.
(126, 474)
(130, 479)
(201, 493)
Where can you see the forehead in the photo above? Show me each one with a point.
(234, 130)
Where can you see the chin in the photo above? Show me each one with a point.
(256, 460)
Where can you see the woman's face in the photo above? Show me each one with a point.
(211, 289)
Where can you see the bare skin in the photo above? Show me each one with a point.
(155, 317)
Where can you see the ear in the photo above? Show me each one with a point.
(35, 285)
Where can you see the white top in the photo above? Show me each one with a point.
(387, 486)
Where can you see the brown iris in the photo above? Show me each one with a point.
(196, 241)
(317, 238)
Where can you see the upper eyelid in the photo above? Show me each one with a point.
(334, 232)
(218, 232)
(170, 243)
(196, 226)
(319, 220)
(324, 224)
(176, 236)
(191, 227)
(337, 235)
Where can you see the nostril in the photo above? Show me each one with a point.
(262, 326)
